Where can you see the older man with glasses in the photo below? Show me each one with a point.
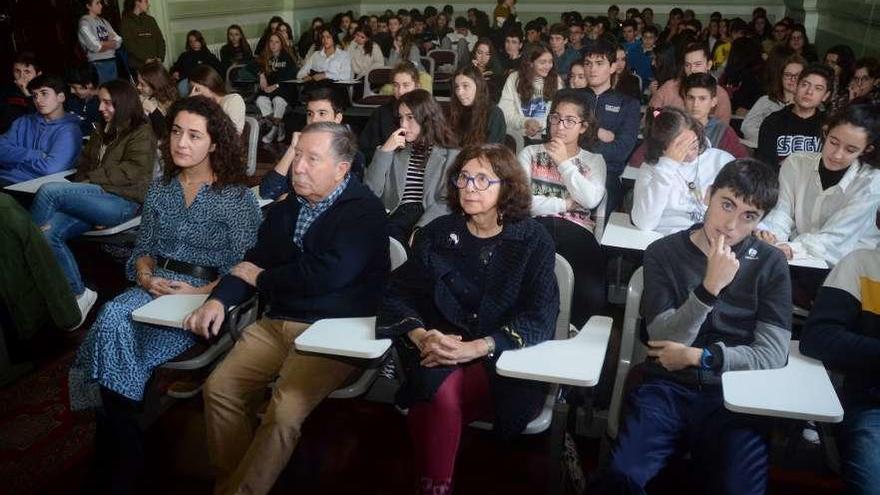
(321, 253)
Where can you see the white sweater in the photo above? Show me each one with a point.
(93, 31)
(511, 105)
(581, 178)
(361, 63)
(825, 224)
(751, 125)
(662, 201)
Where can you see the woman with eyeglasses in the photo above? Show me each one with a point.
(669, 192)
(408, 171)
(781, 87)
(864, 87)
(568, 184)
(479, 282)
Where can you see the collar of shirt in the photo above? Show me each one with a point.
(308, 213)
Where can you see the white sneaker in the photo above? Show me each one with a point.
(85, 301)
(811, 434)
(270, 136)
(281, 133)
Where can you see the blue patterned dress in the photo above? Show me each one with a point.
(215, 230)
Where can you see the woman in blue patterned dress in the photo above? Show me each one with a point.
(198, 220)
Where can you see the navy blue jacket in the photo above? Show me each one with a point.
(619, 114)
(519, 308)
(340, 271)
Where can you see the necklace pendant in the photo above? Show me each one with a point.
(692, 185)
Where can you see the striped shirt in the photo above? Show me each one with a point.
(414, 190)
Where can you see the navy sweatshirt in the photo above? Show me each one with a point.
(619, 114)
(340, 272)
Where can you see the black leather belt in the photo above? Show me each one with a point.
(208, 273)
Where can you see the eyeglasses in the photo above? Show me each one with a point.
(791, 76)
(481, 182)
(862, 79)
(568, 123)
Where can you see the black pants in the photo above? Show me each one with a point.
(119, 440)
(578, 246)
(402, 221)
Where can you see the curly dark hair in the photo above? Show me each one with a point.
(515, 197)
(227, 160)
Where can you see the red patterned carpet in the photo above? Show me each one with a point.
(40, 439)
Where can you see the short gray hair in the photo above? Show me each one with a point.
(343, 144)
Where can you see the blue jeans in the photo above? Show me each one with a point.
(860, 446)
(106, 70)
(728, 449)
(65, 210)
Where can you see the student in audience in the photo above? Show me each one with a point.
(483, 58)
(797, 127)
(617, 114)
(320, 254)
(365, 54)
(196, 53)
(716, 299)
(205, 81)
(198, 221)
(144, 41)
(322, 105)
(330, 63)
(276, 66)
(669, 192)
(236, 51)
(780, 92)
(800, 43)
(568, 183)
(15, 99)
(700, 98)
(511, 59)
(157, 93)
(462, 32)
(576, 35)
(480, 281)
(563, 55)
(384, 119)
(623, 79)
(842, 333)
(577, 75)
(503, 10)
(41, 143)
(309, 38)
(83, 100)
(409, 170)
(270, 28)
(742, 75)
(98, 39)
(403, 50)
(695, 58)
(865, 84)
(528, 92)
(641, 56)
(827, 198)
(108, 189)
(842, 60)
(473, 116)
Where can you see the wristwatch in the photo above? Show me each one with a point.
(706, 359)
(490, 343)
